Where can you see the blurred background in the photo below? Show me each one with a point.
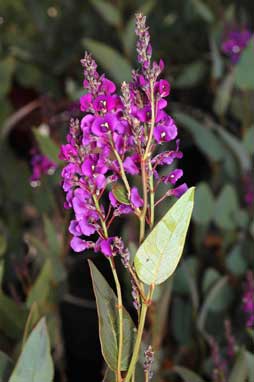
(208, 50)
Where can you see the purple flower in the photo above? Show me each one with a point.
(248, 300)
(115, 136)
(79, 245)
(40, 165)
(136, 200)
(180, 190)
(165, 131)
(234, 43)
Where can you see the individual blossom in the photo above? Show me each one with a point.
(248, 300)
(235, 40)
(40, 165)
(121, 136)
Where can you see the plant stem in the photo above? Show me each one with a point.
(151, 185)
(122, 172)
(118, 292)
(143, 213)
(120, 316)
(141, 326)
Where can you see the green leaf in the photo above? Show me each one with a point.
(209, 301)
(224, 94)
(111, 60)
(35, 363)
(187, 375)
(47, 145)
(226, 208)
(109, 376)
(210, 277)
(41, 288)
(203, 10)
(204, 204)
(182, 321)
(6, 366)
(217, 61)
(244, 78)
(248, 140)
(31, 321)
(106, 301)
(159, 254)
(3, 244)
(235, 261)
(7, 66)
(120, 193)
(204, 138)
(240, 371)
(191, 75)
(236, 147)
(249, 357)
(108, 12)
(9, 311)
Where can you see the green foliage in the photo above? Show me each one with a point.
(108, 322)
(244, 75)
(158, 256)
(120, 194)
(46, 145)
(5, 367)
(112, 61)
(108, 12)
(35, 362)
(187, 375)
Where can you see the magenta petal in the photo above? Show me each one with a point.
(130, 165)
(180, 190)
(85, 101)
(74, 228)
(136, 200)
(86, 228)
(105, 246)
(78, 245)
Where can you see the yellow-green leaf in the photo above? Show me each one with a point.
(158, 256)
(120, 193)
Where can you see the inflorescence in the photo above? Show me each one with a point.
(119, 137)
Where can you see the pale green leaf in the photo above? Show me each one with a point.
(248, 140)
(41, 288)
(35, 363)
(236, 147)
(249, 357)
(47, 145)
(109, 12)
(203, 10)
(208, 303)
(191, 75)
(235, 261)
(159, 254)
(32, 319)
(187, 375)
(205, 139)
(109, 376)
(226, 207)
(244, 78)
(111, 60)
(204, 204)
(224, 94)
(106, 301)
(240, 371)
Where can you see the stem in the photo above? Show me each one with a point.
(141, 326)
(143, 214)
(151, 195)
(137, 343)
(118, 292)
(120, 315)
(122, 172)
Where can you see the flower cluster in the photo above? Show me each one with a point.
(248, 300)
(220, 365)
(40, 165)
(120, 136)
(234, 43)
